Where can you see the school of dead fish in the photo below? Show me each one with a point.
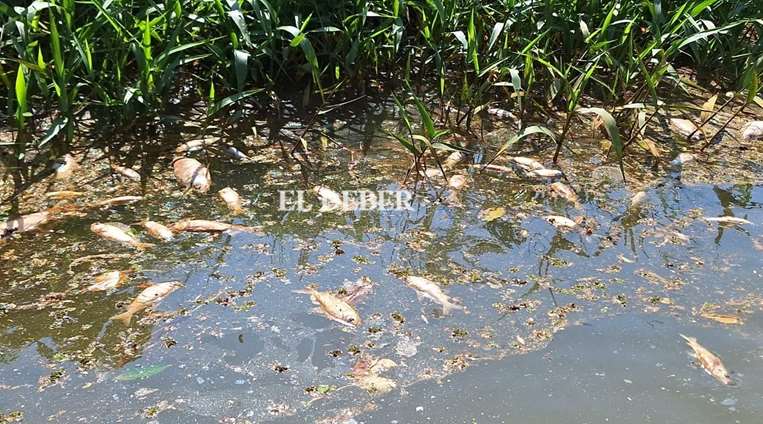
(193, 175)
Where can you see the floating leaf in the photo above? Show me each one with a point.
(489, 215)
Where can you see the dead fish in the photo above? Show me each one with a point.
(457, 182)
(148, 297)
(753, 130)
(204, 226)
(432, 291)
(108, 281)
(331, 200)
(126, 172)
(454, 159)
(158, 231)
(352, 292)
(493, 167)
(119, 201)
(528, 164)
(685, 128)
(62, 195)
(232, 200)
(65, 167)
(731, 220)
(25, 223)
(544, 173)
(560, 221)
(236, 153)
(190, 173)
(118, 232)
(333, 307)
(194, 145)
(682, 159)
(708, 360)
(637, 200)
(502, 113)
(566, 192)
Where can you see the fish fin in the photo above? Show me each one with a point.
(124, 317)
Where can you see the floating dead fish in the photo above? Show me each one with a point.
(158, 231)
(333, 307)
(108, 281)
(63, 195)
(528, 164)
(566, 192)
(194, 145)
(232, 200)
(753, 130)
(65, 167)
(730, 220)
(544, 173)
(365, 374)
(236, 153)
(331, 200)
(190, 173)
(352, 292)
(686, 128)
(637, 200)
(25, 223)
(126, 172)
(119, 201)
(118, 232)
(457, 182)
(454, 159)
(560, 221)
(682, 159)
(711, 363)
(147, 298)
(432, 291)
(204, 226)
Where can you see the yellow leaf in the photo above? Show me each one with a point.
(489, 215)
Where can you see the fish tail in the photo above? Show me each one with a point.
(124, 317)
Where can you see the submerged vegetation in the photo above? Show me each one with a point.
(121, 62)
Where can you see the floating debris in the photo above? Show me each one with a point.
(432, 291)
(711, 363)
(191, 174)
(753, 130)
(686, 128)
(232, 200)
(126, 172)
(141, 374)
(727, 319)
(65, 167)
(108, 281)
(457, 182)
(63, 195)
(333, 307)
(728, 220)
(147, 298)
(560, 221)
(118, 232)
(119, 201)
(158, 231)
(566, 192)
(491, 214)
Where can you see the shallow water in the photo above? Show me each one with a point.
(558, 324)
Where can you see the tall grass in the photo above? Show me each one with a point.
(129, 59)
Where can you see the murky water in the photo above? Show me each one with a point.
(578, 325)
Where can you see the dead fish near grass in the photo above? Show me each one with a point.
(194, 145)
(147, 298)
(728, 220)
(236, 153)
(65, 167)
(158, 231)
(544, 173)
(108, 281)
(118, 232)
(25, 223)
(63, 195)
(191, 174)
(566, 192)
(454, 159)
(753, 130)
(686, 128)
(333, 307)
(205, 226)
(430, 290)
(128, 173)
(528, 164)
(560, 221)
(119, 201)
(710, 362)
(232, 200)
